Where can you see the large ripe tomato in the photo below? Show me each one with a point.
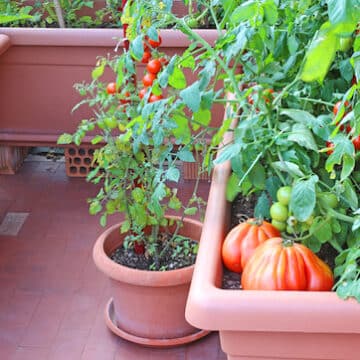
(241, 241)
(148, 79)
(276, 265)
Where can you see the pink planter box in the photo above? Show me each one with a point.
(265, 325)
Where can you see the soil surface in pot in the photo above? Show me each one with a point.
(176, 256)
(242, 208)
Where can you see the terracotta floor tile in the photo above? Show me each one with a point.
(52, 297)
(30, 353)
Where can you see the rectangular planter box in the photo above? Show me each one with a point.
(265, 325)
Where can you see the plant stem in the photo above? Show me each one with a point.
(59, 13)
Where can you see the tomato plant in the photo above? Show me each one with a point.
(278, 264)
(242, 240)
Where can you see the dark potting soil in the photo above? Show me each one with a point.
(242, 209)
(128, 257)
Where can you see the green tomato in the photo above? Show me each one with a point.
(111, 122)
(278, 212)
(280, 225)
(284, 194)
(328, 200)
(345, 43)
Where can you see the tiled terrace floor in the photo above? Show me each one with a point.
(52, 297)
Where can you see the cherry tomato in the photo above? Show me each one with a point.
(284, 194)
(154, 98)
(142, 93)
(146, 57)
(148, 79)
(164, 61)
(154, 66)
(139, 248)
(111, 88)
(330, 145)
(278, 212)
(356, 143)
(155, 43)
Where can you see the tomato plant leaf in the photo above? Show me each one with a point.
(348, 166)
(303, 136)
(262, 207)
(65, 139)
(245, 11)
(191, 96)
(303, 198)
(137, 47)
(190, 211)
(177, 79)
(288, 167)
(232, 187)
(172, 174)
(185, 155)
(300, 116)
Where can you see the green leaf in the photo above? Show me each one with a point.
(245, 11)
(262, 207)
(185, 155)
(300, 116)
(125, 226)
(348, 166)
(303, 136)
(103, 219)
(323, 233)
(174, 203)
(65, 139)
(99, 70)
(95, 207)
(190, 211)
(232, 187)
(288, 167)
(270, 12)
(96, 139)
(203, 116)
(137, 48)
(345, 12)
(303, 198)
(350, 195)
(320, 56)
(4, 19)
(191, 97)
(257, 176)
(177, 79)
(342, 146)
(172, 174)
(228, 152)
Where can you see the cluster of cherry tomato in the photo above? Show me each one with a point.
(153, 67)
(279, 211)
(347, 128)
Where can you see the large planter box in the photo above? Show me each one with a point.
(38, 68)
(265, 324)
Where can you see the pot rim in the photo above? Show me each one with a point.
(135, 276)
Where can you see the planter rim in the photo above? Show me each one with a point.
(92, 37)
(213, 308)
(139, 277)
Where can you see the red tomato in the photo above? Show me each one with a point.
(139, 248)
(153, 43)
(164, 61)
(154, 98)
(146, 57)
(329, 144)
(241, 241)
(356, 143)
(148, 79)
(142, 93)
(111, 88)
(276, 265)
(154, 66)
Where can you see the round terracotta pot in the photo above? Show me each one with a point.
(148, 307)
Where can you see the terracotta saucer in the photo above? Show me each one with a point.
(159, 343)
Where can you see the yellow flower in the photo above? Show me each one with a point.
(161, 5)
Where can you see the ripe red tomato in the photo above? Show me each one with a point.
(148, 79)
(278, 265)
(146, 57)
(111, 88)
(241, 241)
(329, 144)
(154, 98)
(153, 43)
(164, 61)
(154, 66)
(142, 93)
(356, 143)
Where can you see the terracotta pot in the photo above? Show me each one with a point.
(39, 67)
(265, 324)
(148, 307)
